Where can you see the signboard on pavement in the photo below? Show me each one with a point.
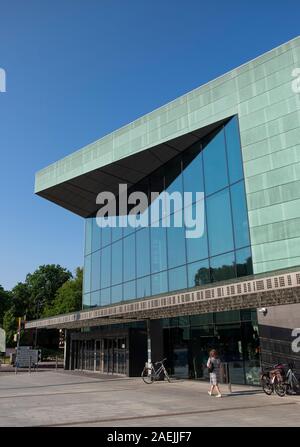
(26, 356)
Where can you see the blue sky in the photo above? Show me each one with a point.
(79, 69)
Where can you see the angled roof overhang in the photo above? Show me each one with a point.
(78, 194)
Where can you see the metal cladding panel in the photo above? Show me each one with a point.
(260, 93)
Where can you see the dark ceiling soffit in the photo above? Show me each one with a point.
(78, 195)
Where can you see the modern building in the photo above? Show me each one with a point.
(236, 287)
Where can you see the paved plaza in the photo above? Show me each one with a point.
(58, 398)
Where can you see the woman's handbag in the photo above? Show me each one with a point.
(211, 367)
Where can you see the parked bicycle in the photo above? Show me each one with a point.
(281, 381)
(150, 374)
(291, 383)
(273, 380)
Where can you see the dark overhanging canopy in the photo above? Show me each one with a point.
(79, 193)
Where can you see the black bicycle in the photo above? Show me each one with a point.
(151, 374)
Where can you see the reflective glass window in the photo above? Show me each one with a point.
(143, 287)
(96, 235)
(222, 267)
(105, 296)
(196, 247)
(176, 242)
(105, 254)
(193, 171)
(198, 273)
(95, 275)
(129, 292)
(240, 215)
(117, 232)
(143, 252)
(244, 262)
(177, 278)
(234, 153)
(215, 164)
(219, 223)
(105, 236)
(117, 262)
(86, 300)
(173, 176)
(88, 236)
(129, 257)
(158, 249)
(95, 299)
(159, 283)
(87, 274)
(116, 294)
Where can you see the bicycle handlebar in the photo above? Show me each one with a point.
(160, 361)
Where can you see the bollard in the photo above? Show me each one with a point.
(29, 368)
(228, 377)
(56, 362)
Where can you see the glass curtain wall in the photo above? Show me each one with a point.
(125, 264)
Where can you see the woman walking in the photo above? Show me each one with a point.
(214, 365)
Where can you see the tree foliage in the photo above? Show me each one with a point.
(68, 298)
(50, 290)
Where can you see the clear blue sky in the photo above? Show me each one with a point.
(78, 69)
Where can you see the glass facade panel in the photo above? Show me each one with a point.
(129, 258)
(197, 247)
(86, 300)
(198, 273)
(88, 236)
(105, 296)
(116, 294)
(219, 223)
(87, 274)
(158, 249)
(95, 299)
(159, 283)
(143, 252)
(105, 236)
(234, 153)
(193, 170)
(157, 260)
(117, 262)
(239, 215)
(143, 287)
(244, 262)
(177, 278)
(105, 254)
(222, 267)
(215, 164)
(176, 243)
(129, 292)
(95, 271)
(96, 235)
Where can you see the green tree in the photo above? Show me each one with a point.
(43, 285)
(5, 298)
(68, 297)
(10, 325)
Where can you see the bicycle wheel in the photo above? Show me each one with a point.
(266, 384)
(280, 388)
(147, 375)
(167, 376)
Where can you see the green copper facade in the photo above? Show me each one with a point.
(260, 93)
